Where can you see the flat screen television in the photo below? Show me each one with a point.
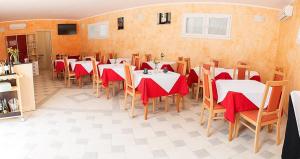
(66, 29)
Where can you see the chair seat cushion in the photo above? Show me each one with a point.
(252, 115)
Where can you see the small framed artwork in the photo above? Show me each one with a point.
(121, 23)
(164, 18)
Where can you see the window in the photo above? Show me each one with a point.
(98, 30)
(207, 26)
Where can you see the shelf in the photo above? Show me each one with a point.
(10, 115)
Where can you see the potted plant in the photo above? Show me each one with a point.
(14, 53)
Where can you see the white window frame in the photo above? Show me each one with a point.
(206, 18)
(96, 34)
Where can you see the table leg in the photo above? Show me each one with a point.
(146, 111)
(107, 92)
(231, 129)
(178, 98)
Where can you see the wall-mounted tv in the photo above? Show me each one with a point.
(66, 29)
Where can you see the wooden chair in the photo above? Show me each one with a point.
(98, 56)
(69, 75)
(129, 88)
(137, 62)
(148, 57)
(132, 58)
(278, 74)
(199, 85)
(111, 55)
(240, 71)
(103, 59)
(181, 68)
(180, 58)
(96, 79)
(209, 103)
(54, 72)
(215, 63)
(265, 116)
(188, 65)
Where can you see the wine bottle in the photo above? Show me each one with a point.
(1, 106)
(6, 69)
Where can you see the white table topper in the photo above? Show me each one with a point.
(251, 89)
(118, 68)
(69, 60)
(119, 60)
(164, 80)
(87, 65)
(295, 95)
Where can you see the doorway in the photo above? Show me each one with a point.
(44, 49)
(18, 42)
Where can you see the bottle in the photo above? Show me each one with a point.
(1, 106)
(6, 68)
(5, 107)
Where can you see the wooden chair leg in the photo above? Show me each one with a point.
(97, 89)
(202, 115)
(210, 116)
(178, 103)
(197, 93)
(270, 128)
(256, 140)
(132, 106)
(146, 111)
(107, 92)
(278, 132)
(69, 82)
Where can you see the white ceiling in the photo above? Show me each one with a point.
(77, 9)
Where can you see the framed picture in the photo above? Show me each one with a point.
(121, 23)
(164, 18)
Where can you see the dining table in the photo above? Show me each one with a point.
(111, 73)
(150, 65)
(159, 83)
(59, 64)
(219, 73)
(82, 68)
(119, 60)
(237, 96)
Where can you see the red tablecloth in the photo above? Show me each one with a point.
(234, 102)
(109, 75)
(79, 71)
(167, 66)
(193, 77)
(149, 89)
(59, 66)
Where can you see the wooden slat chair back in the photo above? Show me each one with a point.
(111, 55)
(240, 72)
(133, 56)
(68, 73)
(148, 57)
(266, 116)
(188, 65)
(181, 68)
(137, 62)
(209, 104)
(215, 63)
(97, 82)
(180, 58)
(279, 74)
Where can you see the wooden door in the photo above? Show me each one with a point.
(44, 49)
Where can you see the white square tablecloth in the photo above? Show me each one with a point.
(251, 89)
(87, 65)
(159, 65)
(119, 60)
(118, 68)
(230, 71)
(164, 80)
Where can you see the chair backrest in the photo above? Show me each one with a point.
(207, 88)
(137, 62)
(128, 76)
(111, 55)
(98, 56)
(215, 63)
(278, 74)
(148, 57)
(276, 99)
(66, 63)
(180, 58)
(181, 67)
(102, 59)
(95, 68)
(188, 65)
(240, 71)
(132, 58)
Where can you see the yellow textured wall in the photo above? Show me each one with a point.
(69, 44)
(251, 41)
(288, 49)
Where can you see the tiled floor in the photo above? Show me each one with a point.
(71, 123)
